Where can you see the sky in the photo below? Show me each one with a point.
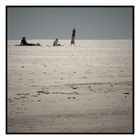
(58, 22)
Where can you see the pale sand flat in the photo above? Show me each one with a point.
(87, 88)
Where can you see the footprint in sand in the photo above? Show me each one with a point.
(43, 92)
(20, 94)
(90, 89)
(74, 72)
(10, 100)
(34, 96)
(74, 87)
(71, 98)
(74, 92)
(84, 77)
(23, 97)
(20, 78)
(61, 78)
(111, 85)
(44, 72)
(17, 98)
(26, 94)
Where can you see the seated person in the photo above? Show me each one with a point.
(55, 43)
(24, 43)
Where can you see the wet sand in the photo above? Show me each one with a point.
(81, 89)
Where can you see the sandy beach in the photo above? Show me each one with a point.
(85, 88)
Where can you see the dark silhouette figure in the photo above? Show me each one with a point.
(24, 43)
(73, 36)
(55, 43)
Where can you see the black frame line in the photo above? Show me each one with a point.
(74, 6)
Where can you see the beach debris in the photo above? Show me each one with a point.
(74, 87)
(126, 93)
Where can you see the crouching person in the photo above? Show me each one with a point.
(55, 43)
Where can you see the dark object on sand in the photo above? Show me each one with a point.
(126, 93)
(73, 36)
(24, 43)
(55, 43)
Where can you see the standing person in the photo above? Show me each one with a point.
(73, 36)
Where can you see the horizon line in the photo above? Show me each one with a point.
(70, 39)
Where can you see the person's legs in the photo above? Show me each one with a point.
(72, 40)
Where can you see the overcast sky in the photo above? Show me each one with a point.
(56, 22)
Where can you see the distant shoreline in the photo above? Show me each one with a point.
(76, 39)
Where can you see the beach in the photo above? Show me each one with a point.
(87, 88)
